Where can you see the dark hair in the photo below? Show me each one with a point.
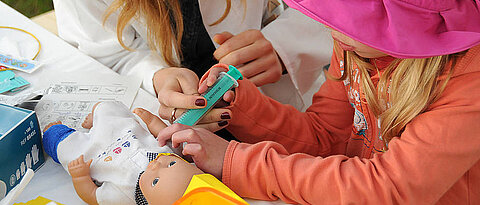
(139, 197)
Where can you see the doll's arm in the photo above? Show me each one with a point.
(83, 183)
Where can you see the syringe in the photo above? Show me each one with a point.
(225, 82)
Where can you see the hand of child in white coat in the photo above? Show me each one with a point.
(178, 88)
(207, 149)
(252, 54)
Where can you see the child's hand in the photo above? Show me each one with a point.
(207, 149)
(211, 77)
(79, 168)
(252, 54)
(177, 90)
(50, 125)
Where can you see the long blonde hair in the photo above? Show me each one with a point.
(164, 23)
(405, 89)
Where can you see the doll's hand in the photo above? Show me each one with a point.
(82, 182)
(154, 124)
(51, 124)
(178, 88)
(207, 149)
(79, 168)
(252, 54)
(88, 122)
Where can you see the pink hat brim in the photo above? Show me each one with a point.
(400, 28)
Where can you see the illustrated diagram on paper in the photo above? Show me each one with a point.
(70, 101)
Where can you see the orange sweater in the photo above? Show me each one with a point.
(331, 154)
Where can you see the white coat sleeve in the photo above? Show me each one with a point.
(80, 23)
(305, 46)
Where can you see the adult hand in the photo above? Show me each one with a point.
(207, 149)
(178, 88)
(252, 54)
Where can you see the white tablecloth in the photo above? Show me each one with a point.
(52, 181)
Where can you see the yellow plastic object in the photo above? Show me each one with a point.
(38, 201)
(169, 154)
(206, 189)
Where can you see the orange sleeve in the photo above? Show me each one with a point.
(436, 149)
(323, 129)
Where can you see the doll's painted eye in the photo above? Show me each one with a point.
(172, 163)
(155, 181)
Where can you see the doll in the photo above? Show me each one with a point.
(124, 163)
(117, 149)
(168, 176)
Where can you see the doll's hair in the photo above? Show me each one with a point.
(405, 89)
(163, 21)
(139, 197)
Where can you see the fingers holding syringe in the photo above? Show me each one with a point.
(175, 103)
(211, 77)
(215, 120)
(216, 115)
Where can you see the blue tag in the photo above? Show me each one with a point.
(15, 63)
(8, 82)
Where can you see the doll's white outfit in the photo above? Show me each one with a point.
(119, 144)
(304, 45)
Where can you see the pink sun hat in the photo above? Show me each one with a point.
(401, 28)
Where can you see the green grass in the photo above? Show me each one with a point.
(30, 8)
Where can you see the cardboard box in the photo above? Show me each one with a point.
(20, 145)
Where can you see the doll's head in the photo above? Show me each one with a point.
(166, 179)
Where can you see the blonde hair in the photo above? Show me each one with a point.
(164, 23)
(405, 89)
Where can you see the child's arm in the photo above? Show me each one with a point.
(321, 130)
(83, 183)
(436, 156)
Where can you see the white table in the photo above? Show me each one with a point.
(52, 181)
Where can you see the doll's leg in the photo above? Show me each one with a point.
(88, 122)
(153, 123)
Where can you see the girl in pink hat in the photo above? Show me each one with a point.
(397, 122)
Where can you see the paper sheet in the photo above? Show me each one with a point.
(72, 98)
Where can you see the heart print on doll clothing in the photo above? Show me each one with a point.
(120, 147)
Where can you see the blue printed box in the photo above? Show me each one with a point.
(20, 146)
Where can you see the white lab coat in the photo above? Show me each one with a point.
(303, 44)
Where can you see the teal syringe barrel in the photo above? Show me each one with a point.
(225, 82)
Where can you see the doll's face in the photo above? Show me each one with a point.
(166, 179)
(360, 49)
